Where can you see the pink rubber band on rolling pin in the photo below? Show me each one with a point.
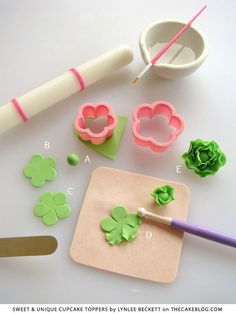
(19, 109)
(79, 78)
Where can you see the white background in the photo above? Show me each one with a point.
(40, 40)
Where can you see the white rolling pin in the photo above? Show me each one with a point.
(56, 90)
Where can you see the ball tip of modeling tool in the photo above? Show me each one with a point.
(141, 212)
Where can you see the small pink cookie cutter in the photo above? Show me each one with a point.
(162, 108)
(90, 110)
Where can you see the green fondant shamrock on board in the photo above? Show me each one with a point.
(40, 169)
(120, 226)
(163, 194)
(204, 157)
(52, 206)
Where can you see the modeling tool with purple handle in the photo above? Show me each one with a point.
(167, 46)
(190, 228)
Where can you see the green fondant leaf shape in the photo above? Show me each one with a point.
(163, 194)
(120, 226)
(52, 206)
(204, 157)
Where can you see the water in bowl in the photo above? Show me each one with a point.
(177, 54)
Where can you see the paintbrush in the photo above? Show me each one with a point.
(167, 46)
(190, 228)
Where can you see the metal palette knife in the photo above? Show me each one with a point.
(27, 246)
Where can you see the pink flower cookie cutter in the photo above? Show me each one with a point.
(162, 108)
(90, 110)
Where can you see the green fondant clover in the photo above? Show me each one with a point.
(120, 226)
(51, 207)
(163, 194)
(40, 169)
(204, 158)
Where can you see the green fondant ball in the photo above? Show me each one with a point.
(73, 159)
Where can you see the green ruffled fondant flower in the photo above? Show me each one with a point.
(204, 157)
(163, 194)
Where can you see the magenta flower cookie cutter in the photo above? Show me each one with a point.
(90, 110)
(162, 108)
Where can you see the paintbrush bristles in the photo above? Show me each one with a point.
(147, 67)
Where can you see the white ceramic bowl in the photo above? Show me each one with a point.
(182, 58)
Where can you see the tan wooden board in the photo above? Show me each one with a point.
(155, 253)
